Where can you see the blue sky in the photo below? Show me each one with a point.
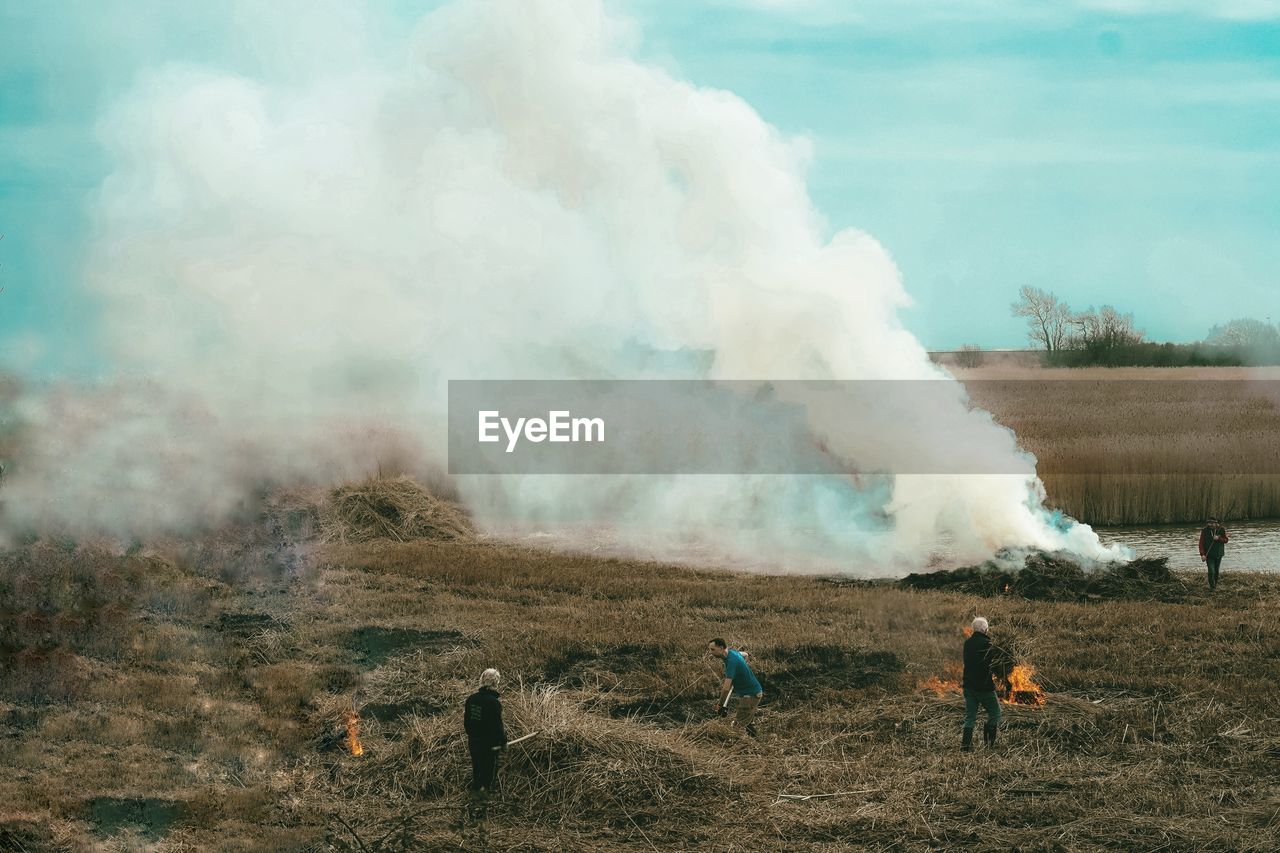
(1113, 151)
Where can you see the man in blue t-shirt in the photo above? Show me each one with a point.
(739, 682)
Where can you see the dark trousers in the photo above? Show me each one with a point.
(484, 767)
(1214, 563)
(988, 700)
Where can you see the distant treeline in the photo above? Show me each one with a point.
(1148, 354)
(1105, 337)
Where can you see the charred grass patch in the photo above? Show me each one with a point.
(22, 835)
(247, 624)
(395, 711)
(799, 673)
(149, 817)
(669, 712)
(372, 645)
(1058, 577)
(579, 665)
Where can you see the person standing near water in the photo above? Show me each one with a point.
(1213, 545)
(979, 688)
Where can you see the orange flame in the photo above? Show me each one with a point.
(1023, 689)
(949, 682)
(352, 721)
(939, 686)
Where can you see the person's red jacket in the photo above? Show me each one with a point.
(1206, 537)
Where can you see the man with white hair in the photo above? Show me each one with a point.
(979, 688)
(486, 736)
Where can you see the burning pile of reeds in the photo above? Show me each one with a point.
(1057, 576)
(1017, 682)
(1021, 688)
(399, 509)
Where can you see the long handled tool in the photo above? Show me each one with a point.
(804, 798)
(724, 708)
(517, 740)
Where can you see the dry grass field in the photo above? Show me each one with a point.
(191, 695)
(1144, 445)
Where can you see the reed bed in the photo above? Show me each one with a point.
(1144, 446)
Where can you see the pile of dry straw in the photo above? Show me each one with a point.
(399, 509)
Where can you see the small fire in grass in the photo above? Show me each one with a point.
(939, 686)
(1020, 686)
(949, 682)
(352, 721)
(1023, 689)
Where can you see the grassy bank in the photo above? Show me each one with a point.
(1144, 445)
(191, 696)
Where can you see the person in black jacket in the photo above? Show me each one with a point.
(1213, 545)
(979, 686)
(486, 736)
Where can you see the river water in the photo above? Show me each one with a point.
(1254, 545)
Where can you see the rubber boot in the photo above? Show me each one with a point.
(967, 743)
(480, 806)
(989, 735)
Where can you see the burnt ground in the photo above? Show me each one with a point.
(171, 705)
(791, 676)
(373, 645)
(665, 712)
(581, 665)
(149, 817)
(799, 673)
(1058, 577)
(247, 623)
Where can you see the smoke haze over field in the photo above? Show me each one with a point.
(292, 267)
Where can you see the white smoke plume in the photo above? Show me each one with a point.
(293, 265)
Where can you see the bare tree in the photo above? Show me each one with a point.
(1244, 332)
(1046, 317)
(1103, 328)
